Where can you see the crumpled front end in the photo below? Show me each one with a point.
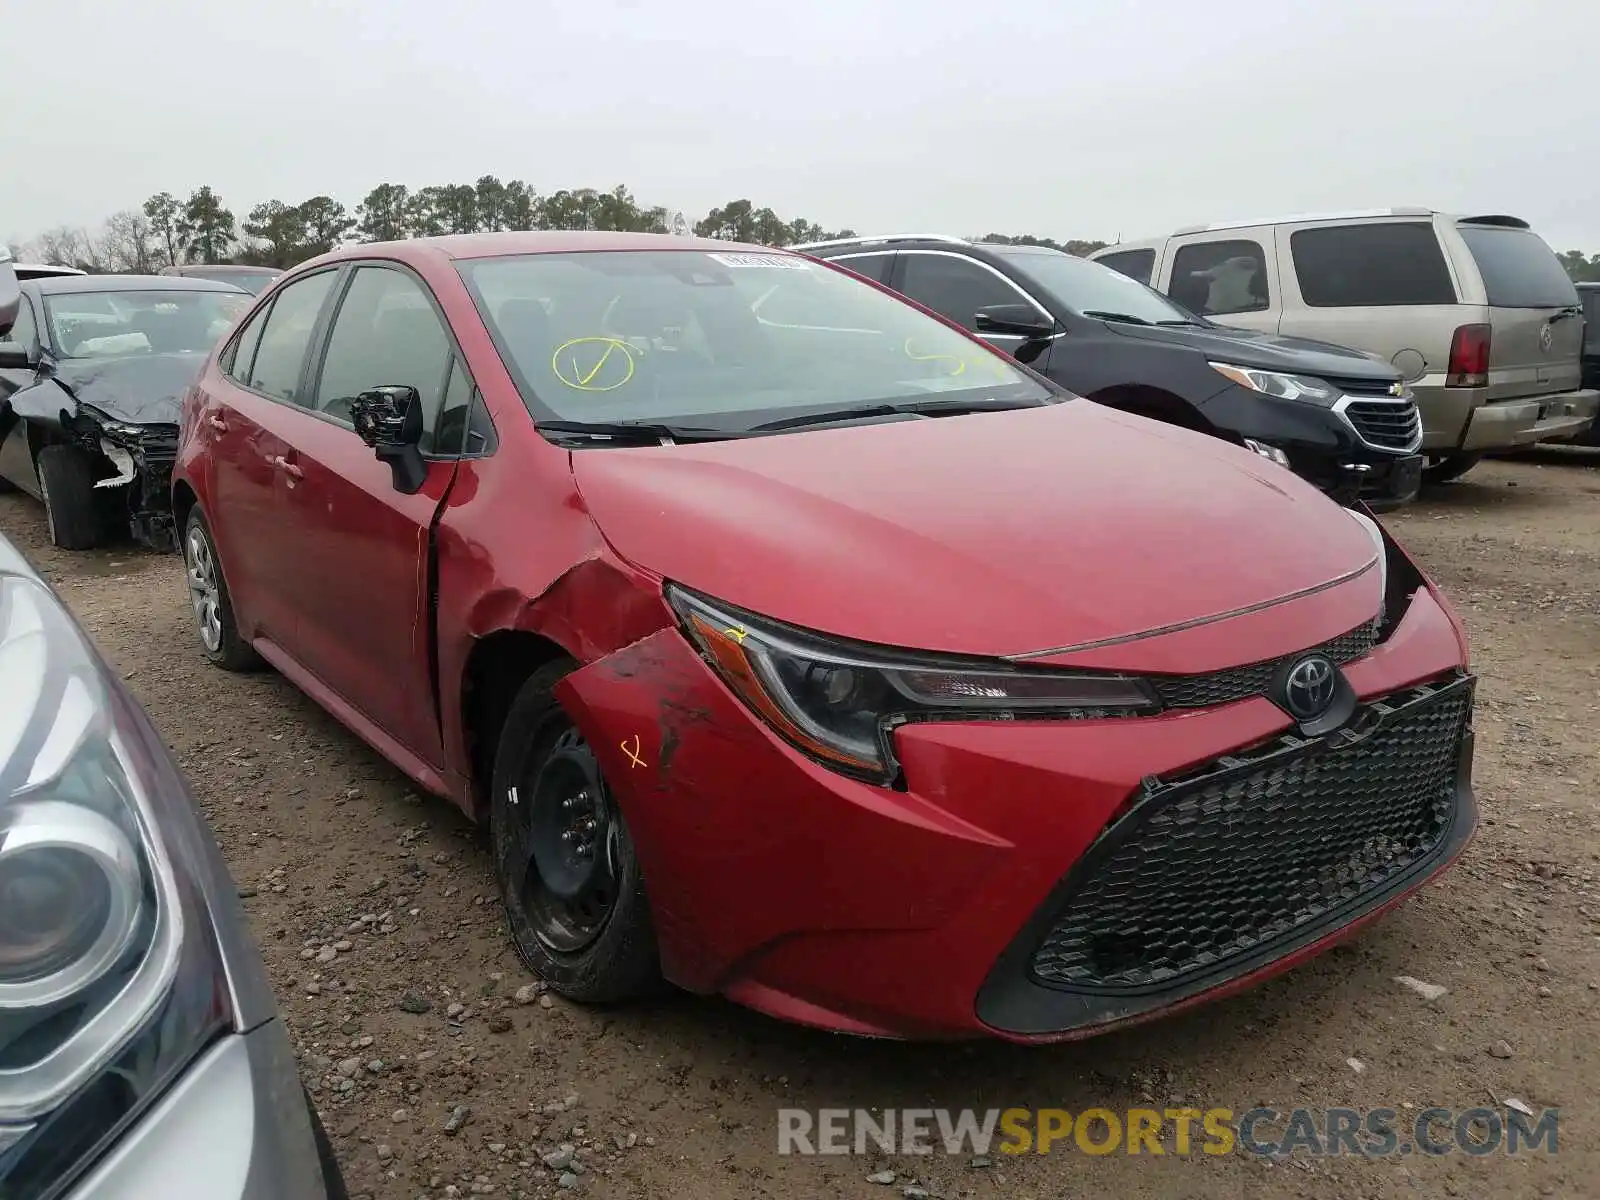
(136, 464)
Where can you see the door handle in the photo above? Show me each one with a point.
(217, 422)
(287, 467)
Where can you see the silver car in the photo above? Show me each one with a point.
(1476, 312)
(141, 1054)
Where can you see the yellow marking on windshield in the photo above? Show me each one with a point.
(593, 364)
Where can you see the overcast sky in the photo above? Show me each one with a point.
(1054, 117)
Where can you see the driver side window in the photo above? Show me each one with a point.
(953, 286)
(386, 332)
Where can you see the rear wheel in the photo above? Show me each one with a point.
(1442, 468)
(208, 597)
(570, 881)
(71, 509)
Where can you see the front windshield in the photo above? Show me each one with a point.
(1096, 290)
(729, 339)
(114, 323)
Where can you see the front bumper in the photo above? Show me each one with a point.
(889, 912)
(234, 1127)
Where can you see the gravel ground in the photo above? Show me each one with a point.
(442, 1071)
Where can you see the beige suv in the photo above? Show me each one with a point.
(1476, 312)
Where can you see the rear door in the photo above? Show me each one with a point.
(360, 588)
(239, 413)
(1536, 339)
(1386, 287)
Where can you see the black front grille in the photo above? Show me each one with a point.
(1391, 424)
(1240, 683)
(1217, 865)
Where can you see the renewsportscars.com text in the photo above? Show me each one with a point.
(1362, 1133)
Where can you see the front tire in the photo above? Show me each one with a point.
(208, 597)
(71, 509)
(1445, 467)
(569, 879)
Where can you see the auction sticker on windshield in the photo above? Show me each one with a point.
(780, 262)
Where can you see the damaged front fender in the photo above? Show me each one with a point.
(737, 833)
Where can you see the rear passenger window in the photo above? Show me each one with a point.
(1518, 269)
(1135, 264)
(287, 332)
(1358, 266)
(1217, 278)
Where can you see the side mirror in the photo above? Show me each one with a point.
(389, 419)
(1015, 320)
(15, 356)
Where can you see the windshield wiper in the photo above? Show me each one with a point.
(914, 408)
(1196, 324)
(638, 433)
(1126, 318)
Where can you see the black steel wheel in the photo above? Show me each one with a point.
(569, 879)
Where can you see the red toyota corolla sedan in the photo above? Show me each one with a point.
(799, 647)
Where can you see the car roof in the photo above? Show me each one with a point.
(68, 284)
(551, 241)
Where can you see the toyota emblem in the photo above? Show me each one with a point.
(1546, 339)
(1308, 689)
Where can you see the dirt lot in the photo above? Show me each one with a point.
(373, 903)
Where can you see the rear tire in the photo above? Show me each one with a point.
(1445, 467)
(209, 598)
(71, 509)
(569, 879)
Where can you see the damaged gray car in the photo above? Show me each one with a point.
(91, 379)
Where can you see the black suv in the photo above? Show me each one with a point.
(1339, 418)
(1589, 293)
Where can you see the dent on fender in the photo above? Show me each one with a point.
(595, 607)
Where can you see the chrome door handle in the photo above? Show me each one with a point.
(287, 467)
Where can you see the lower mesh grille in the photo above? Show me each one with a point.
(1239, 683)
(1217, 865)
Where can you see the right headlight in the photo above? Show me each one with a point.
(839, 702)
(110, 980)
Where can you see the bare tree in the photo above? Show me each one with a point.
(66, 246)
(127, 243)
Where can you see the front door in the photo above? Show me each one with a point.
(361, 590)
(956, 286)
(1230, 278)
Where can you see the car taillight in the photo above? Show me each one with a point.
(1469, 357)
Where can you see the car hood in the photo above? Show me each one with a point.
(141, 389)
(991, 534)
(1269, 351)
